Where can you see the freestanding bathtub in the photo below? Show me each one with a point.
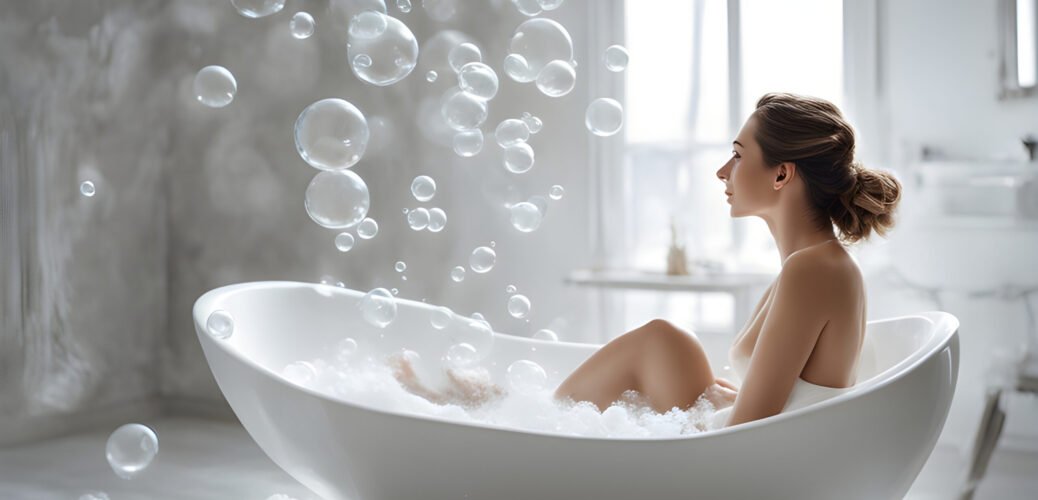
(868, 443)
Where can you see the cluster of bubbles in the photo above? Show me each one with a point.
(541, 51)
(423, 188)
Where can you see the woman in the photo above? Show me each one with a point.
(792, 165)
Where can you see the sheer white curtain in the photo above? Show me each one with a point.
(696, 71)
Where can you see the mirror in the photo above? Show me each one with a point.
(1018, 72)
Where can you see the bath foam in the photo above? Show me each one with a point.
(370, 382)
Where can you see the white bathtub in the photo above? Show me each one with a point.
(868, 443)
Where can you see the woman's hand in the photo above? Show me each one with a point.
(721, 394)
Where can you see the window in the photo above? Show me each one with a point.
(697, 69)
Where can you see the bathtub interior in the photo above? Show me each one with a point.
(276, 323)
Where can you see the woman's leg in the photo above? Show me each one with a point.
(664, 363)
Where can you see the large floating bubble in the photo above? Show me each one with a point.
(615, 58)
(511, 132)
(258, 8)
(468, 143)
(526, 217)
(423, 188)
(393, 52)
(482, 259)
(604, 116)
(337, 199)
(557, 79)
(540, 41)
(526, 377)
(130, 449)
(378, 307)
(215, 86)
(519, 158)
(441, 317)
(463, 111)
(462, 54)
(301, 25)
(331, 134)
(479, 80)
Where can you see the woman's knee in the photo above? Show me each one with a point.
(661, 330)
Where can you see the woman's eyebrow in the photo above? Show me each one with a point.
(739, 143)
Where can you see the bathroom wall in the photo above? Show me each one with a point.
(190, 198)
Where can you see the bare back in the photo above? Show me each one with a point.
(834, 360)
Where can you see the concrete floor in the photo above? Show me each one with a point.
(209, 459)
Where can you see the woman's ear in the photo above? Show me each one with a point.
(785, 173)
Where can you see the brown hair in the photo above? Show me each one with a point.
(813, 134)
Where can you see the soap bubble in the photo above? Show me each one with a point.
(337, 199)
(526, 377)
(431, 76)
(518, 69)
(368, 24)
(437, 219)
(461, 355)
(468, 143)
(557, 79)
(510, 288)
(540, 41)
(604, 116)
(94, 495)
(556, 192)
(87, 189)
(393, 53)
(418, 218)
(378, 307)
(258, 8)
(540, 202)
(400, 266)
(423, 188)
(441, 317)
(344, 242)
(615, 58)
(527, 8)
(463, 111)
(518, 306)
(130, 449)
(346, 350)
(519, 158)
(404, 5)
(479, 317)
(462, 54)
(546, 334)
(458, 274)
(550, 4)
(474, 332)
(331, 134)
(367, 228)
(526, 217)
(482, 259)
(533, 124)
(220, 324)
(300, 373)
(302, 25)
(511, 132)
(215, 86)
(479, 80)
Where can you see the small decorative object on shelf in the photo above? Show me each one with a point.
(677, 263)
(1030, 143)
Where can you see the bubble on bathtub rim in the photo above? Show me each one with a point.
(130, 449)
(378, 307)
(346, 351)
(440, 317)
(546, 334)
(302, 373)
(220, 324)
(437, 220)
(458, 274)
(526, 377)
(518, 306)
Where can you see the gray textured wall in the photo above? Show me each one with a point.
(190, 198)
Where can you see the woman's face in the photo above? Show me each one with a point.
(749, 183)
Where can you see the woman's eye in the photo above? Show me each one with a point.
(735, 154)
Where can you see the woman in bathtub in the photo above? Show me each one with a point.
(792, 165)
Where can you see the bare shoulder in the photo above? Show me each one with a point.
(829, 268)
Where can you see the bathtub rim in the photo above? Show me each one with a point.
(902, 368)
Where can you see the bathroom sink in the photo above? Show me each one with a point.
(968, 228)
